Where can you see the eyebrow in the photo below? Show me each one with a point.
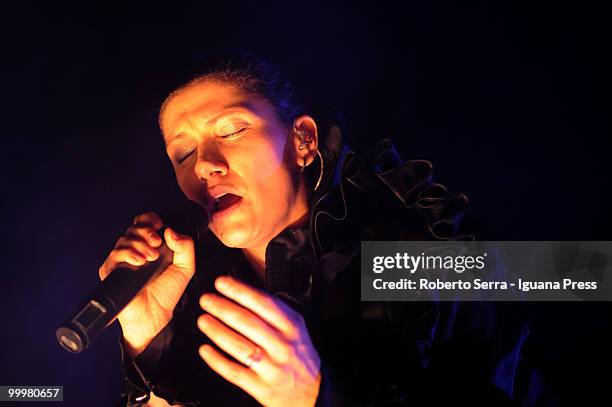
(241, 105)
(236, 106)
(232, 106)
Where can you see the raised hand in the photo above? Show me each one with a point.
(275, 361)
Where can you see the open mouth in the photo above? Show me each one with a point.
(226, 201)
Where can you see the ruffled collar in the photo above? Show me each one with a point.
(370, 190)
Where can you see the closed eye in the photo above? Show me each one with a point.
(229, 136)
(234, 134)
(186, 156)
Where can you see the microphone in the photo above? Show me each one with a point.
(123, 284)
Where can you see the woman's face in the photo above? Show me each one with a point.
(232, 154)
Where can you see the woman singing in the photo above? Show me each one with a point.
(266, 309)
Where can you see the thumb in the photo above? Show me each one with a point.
(183, 248)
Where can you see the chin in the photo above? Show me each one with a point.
(233, 237)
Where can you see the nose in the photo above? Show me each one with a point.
(210, 164)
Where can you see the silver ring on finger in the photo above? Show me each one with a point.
(254, 357)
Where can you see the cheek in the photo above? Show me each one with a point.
(188, 186)
(275, 195)
(270, 174)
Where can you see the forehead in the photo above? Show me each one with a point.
(206, 101)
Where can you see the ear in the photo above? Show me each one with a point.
(305, 138)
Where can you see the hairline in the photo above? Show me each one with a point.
(208, 79)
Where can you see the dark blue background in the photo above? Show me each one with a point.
(506, 99)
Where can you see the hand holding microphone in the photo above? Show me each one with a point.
(151, 310)
(143, 279)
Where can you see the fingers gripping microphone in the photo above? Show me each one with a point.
(116, 291)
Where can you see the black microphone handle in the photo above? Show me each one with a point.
(107, 300)
(120, 287)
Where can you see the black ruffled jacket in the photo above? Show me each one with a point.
(372, 353)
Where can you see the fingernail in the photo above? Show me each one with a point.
(203, 322)
(205, 300)
(173, 234)
(222, 282)
(153, 240)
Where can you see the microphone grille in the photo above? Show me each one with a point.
(188, 218)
